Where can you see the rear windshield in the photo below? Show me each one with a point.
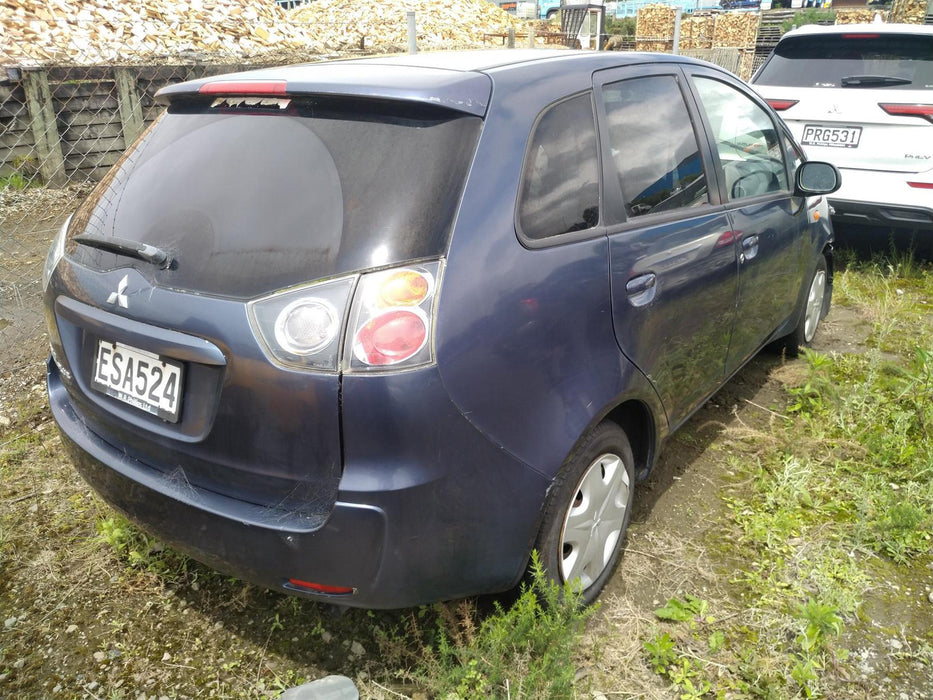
(254, 198)
(897, 61)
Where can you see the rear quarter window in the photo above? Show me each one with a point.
(560, 179)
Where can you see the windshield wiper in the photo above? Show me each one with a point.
(873, 81)
(121, 246)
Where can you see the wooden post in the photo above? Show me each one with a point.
(44, 128)
(131, 108)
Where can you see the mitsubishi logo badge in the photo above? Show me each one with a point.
(118, 297)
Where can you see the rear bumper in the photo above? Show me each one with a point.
(228, 534)
(883, 199)
(422, 528)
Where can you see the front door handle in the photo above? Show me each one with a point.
(749, 247)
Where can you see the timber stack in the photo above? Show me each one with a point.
(91, 32)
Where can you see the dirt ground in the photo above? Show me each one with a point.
(77, 622)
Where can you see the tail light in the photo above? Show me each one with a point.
(780, 105)
(909, 110)
(390, 325)
(300, 328)
(391, 322)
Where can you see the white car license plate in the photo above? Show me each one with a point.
(832, 136)
(139, 378)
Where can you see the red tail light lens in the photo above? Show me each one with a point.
(922, 185)
(392, 319)
(390, 338)
(908, 110)
(781, 105)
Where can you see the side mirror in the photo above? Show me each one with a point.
(814, 177)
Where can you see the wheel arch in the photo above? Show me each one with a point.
(637, 420)
(830, 255)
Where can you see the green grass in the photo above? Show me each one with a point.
(826, 505)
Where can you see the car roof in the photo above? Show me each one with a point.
(458, 80)
(867, 28)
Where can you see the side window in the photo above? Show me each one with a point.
(750, 151)
(654, 149)
(560, 182)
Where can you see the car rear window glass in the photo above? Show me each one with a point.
(880, 61)
(657, 160)
(560, 186)
(249, 199)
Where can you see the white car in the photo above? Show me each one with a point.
(861, 97)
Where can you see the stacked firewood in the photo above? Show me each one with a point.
(909, 11)
(439, 23)
(654, 29)
(851, 15)
(85, 32)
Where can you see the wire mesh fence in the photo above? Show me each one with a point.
(75, 92)
(61, 128)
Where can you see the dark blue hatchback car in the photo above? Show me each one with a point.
(371, 331)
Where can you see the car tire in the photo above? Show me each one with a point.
(814, 309)
(550, 14)
(588, 511)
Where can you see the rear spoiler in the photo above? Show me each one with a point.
(461, 91)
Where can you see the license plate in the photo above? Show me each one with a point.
(832, 136)
(139, 378)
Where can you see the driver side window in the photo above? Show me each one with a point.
(751, 153)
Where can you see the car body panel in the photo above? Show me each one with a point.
(393, 487)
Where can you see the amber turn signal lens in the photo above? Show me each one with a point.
(403, 288)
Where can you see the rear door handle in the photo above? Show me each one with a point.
(749, 247)
(641, 289)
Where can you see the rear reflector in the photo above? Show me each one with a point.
(318, 587)
(922, 185)
(907, 110)
(243, 87)
(781, 105)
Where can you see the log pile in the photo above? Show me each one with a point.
(88, 32)
(654, 28)
(848, 15)
(383, 25)
(736, 30)
(909, 11)
(697, 31)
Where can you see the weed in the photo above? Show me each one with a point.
(139, 550)
(521, 652)
(676, 610)
(661, 653)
